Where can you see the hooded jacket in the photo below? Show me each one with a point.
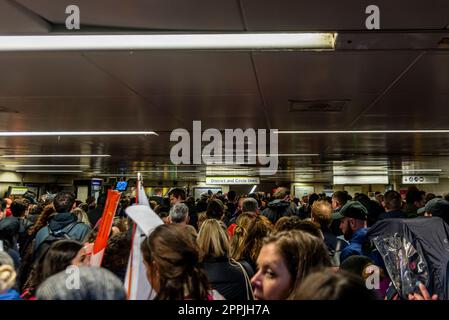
(59, 222)
(278, 209)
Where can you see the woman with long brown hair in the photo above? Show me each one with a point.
(172, 259)
(28, 257)
(59, 256)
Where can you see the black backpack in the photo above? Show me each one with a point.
(335, 254)
(53, 236)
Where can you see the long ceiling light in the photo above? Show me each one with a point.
(297, 154)
(73, 133)
(357, 131)
(55, 156)
(49, 171)
(288, 154)
(170, 171)
(415, 170)
(299, 170)
(215, 41)
(45, 165)
(145, 171)
(253, 189)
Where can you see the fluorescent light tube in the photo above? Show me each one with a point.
(415, 170)
(253, 188)
(49, 171)
(215, 41)
(297, 155)
(73, 133)
(55, 156)
(300, 170)
(45, 165)
(357, 131)
(170, 171)
(289, 154)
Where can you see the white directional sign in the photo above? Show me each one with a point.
(232, 180)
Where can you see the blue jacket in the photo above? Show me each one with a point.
(355, 245)
(10, 295)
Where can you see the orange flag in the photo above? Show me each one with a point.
(105, 228)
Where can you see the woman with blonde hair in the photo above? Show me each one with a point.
(239, 232)
(228, 277)
(248, 247)
(82, 216)
(7, 278)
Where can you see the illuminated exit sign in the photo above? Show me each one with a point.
(232, 180)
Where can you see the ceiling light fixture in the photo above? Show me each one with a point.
(289, 154)
(49, 171)
(415, 170)
(45, 165)
(215, 41)
(299, 170)
(357, 131)
(55, 156)
(170, 171)
(73, 133)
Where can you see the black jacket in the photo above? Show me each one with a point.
(14, 231)
(228, 279)
(421, 253)
(9, 230)
(392, 214)
(278, 209)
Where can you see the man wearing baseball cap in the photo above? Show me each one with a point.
(353, 216)
(437, 207)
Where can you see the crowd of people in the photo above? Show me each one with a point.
(220, 246)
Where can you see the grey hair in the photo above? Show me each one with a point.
(94, 284)
(250, 205)
(179, 212)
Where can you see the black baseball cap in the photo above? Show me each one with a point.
(352, 209)
(437, 207)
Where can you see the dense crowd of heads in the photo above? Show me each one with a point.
(219, 246)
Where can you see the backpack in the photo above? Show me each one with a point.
(53, 236)
(335, 254)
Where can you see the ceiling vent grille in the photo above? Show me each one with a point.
(321, 106)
